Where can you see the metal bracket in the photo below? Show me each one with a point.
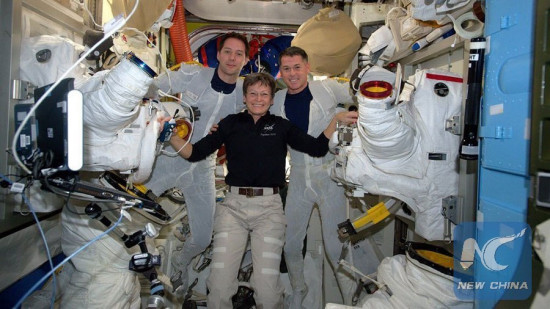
(450, 211)
(449, 208)
(345, 135)
(453, 126)
(22, 90)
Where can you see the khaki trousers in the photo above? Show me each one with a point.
(237, 218)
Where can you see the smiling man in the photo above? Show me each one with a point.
(256, 145)
(310, 105)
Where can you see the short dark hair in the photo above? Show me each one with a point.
(262, 78)
(237, 36)
(291, 52)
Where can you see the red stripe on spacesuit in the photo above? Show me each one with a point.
(203, 56)
(444, 77)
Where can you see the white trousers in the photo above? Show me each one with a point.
(196, 181)
(304, 191)
(307, 187)
(237, 218)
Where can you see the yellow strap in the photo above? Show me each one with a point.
(141, 188)
(341, 80)
(376, 214)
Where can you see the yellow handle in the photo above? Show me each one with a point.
(376, 214)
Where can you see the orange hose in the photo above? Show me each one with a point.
(179, 36)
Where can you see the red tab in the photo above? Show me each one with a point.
(444, 77)
(203, 56)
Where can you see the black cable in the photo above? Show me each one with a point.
(80, 213)
(69, 205)
(48, 158)
(37, 167)
(29, 182)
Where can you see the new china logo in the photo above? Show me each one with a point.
(500, 253)
(487, 254)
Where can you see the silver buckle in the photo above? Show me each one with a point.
(249, 192)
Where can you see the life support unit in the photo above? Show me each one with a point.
(403, 145)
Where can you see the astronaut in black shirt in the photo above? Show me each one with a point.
(256, 146)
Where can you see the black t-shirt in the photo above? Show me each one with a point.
(256, 152)
(220, 86)
(297, 108)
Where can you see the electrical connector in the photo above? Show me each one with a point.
(17, 187)
(166, 133)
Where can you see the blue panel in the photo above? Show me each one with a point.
(514, 255)
(503, 196)
(505, 116)
(508, 77)
(494, 211)
(504, 132)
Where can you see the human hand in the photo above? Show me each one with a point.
(213, 129)
(163, 119)
(347, 118)
(167, 125)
